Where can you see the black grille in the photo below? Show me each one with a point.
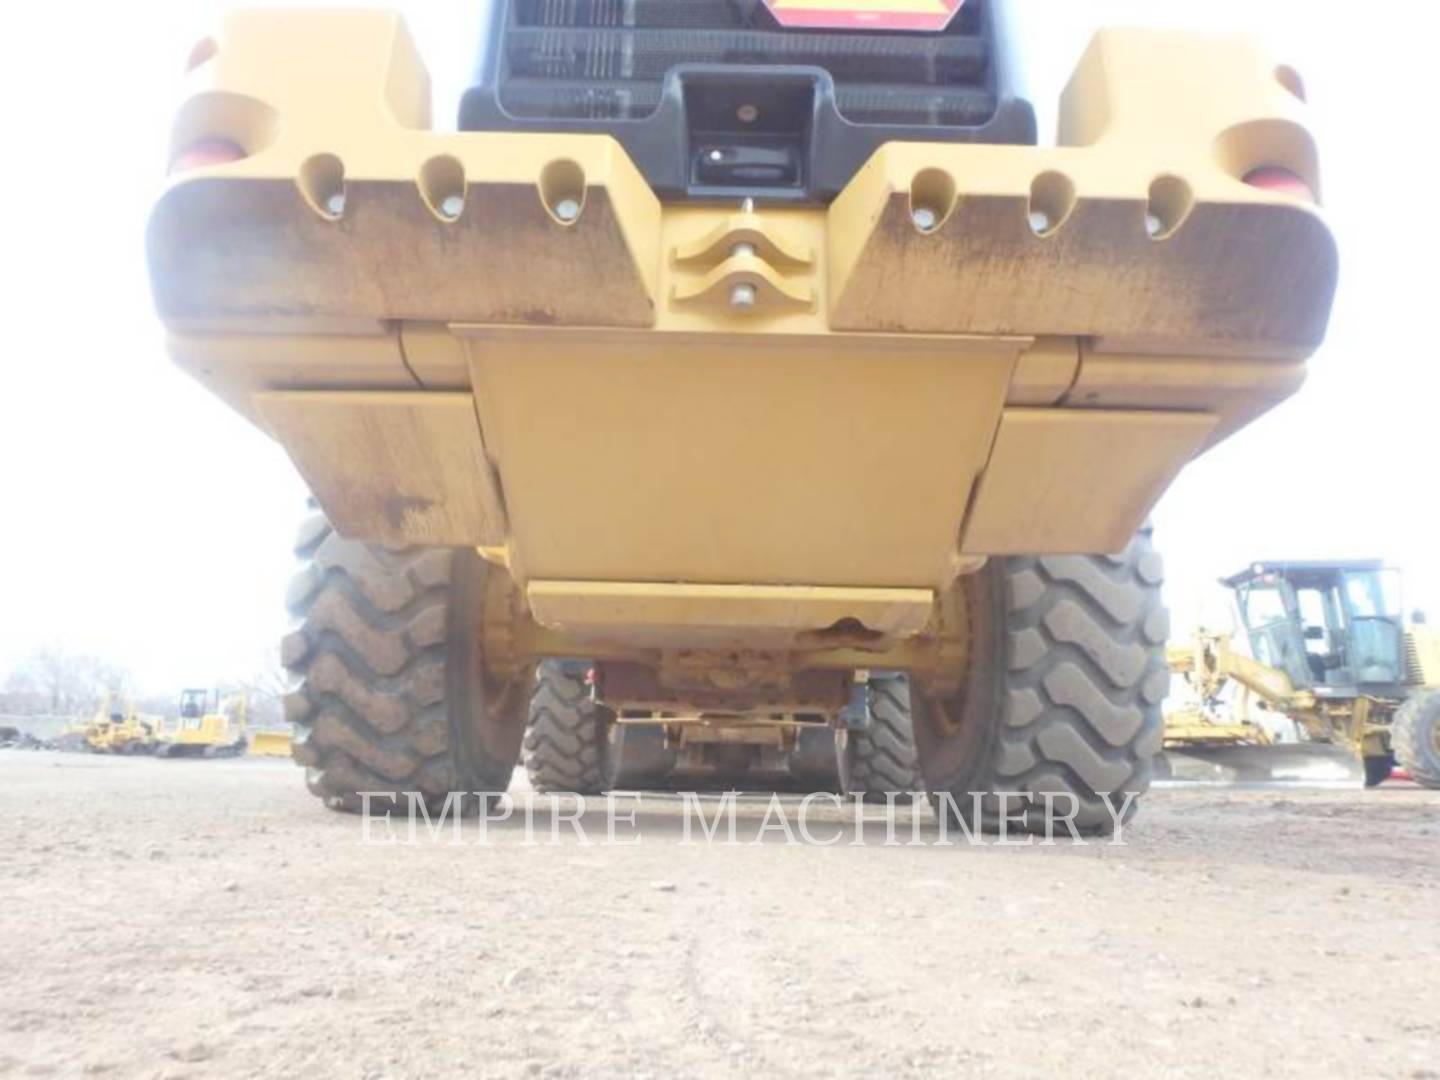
(607, 60)
(713, 99)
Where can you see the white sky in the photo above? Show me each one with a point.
(142, 520)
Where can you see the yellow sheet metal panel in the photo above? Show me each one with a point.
(717, 459)
(435, 356)
(722, 616)
(389, 467)
(983, 269)
(1422, 643)
(234, 366)
(1140, 231)
(1235, 389)
(1077, 481)
(342, 210)
(1045, 373)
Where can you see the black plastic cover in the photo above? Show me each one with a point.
(714, 100)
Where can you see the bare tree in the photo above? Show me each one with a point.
(66, 681)
(264, 689)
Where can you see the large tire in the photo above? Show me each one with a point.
(565, 738)
(1415, 737)
(879, 761)
(1062, 696)
(813, 764)
(392, 695)
(637, 759)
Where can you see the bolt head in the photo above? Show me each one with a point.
(1039, 221)
(453, 206)
(567, 210)
(743, 296)
(924, 218)
(335, 204)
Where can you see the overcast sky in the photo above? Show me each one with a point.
(144, 521)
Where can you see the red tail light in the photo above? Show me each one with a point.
(1281, 181)
(207, 152)
(878, 15)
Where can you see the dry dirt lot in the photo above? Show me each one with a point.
(209, 919)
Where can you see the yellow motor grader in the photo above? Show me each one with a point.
(1330, 657)
(731, 348)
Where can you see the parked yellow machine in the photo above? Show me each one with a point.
(1331, 654)
(209, 725)
(739, 391)
(116, 728)
(269, 742)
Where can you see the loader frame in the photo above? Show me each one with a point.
(506, 342)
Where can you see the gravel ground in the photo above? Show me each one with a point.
(172, 918)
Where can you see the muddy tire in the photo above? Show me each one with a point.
(1415, 738)
(565, 737)
(1062, 696)
(880, 761)
(391, 695)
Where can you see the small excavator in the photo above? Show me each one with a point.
(1336, 688)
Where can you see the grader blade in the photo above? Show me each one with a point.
(1300, 764)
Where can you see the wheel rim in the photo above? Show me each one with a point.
(953, 733)
(487, 715)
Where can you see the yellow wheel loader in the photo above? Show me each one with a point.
(730, 348)
(209, 726)
(1330, 656)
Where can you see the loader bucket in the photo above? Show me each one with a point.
(270, 744)
(1290, 764)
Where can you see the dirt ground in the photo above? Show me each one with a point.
(200, 919)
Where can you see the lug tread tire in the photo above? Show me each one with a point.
(369, 659)
(1085, 681)
(565, 736)
(1066, 702)
(881, 760)
(1412, 737)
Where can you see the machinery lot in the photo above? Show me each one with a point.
(207, 919)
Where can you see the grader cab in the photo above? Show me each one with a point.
(1330, 653)
(731, 349)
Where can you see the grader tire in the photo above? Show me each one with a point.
(1062, 697)
(390, 695)
(1415, 738)
(636, 758)
(565, 738)
(880, 760)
